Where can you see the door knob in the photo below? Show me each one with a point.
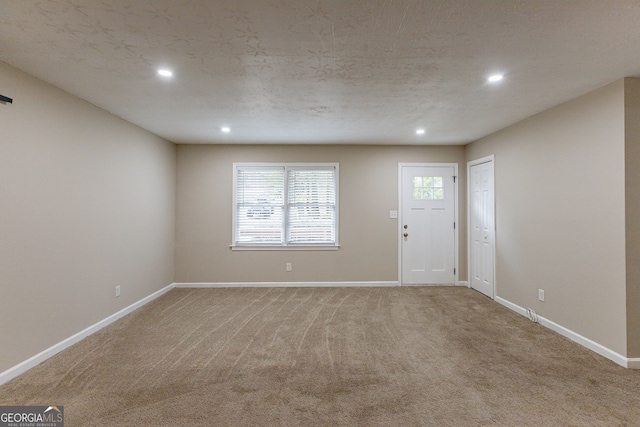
(406, 226)
(406, 234)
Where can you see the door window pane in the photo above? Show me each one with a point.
(428, 188)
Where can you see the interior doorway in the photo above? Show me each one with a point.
(481, 207)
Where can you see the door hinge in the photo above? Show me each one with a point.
(454, 178)
(454, 225)
(454, 271)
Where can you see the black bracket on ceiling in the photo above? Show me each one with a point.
(6, 99)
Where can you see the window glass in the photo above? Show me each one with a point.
(285, 205)
(428, 188)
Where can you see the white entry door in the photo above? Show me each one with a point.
(481, 224)
(428, 200)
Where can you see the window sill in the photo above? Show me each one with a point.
(285, 248)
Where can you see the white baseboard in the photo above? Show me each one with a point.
(575, 337)
(285, 284)
(13, 372)
(20, 368)
(511, 306)
(464, 283)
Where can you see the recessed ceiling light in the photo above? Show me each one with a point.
(420, 131)
(225, 129)
(165, 73)
(495, 78)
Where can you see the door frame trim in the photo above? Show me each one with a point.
(456, 260)
(486, 159)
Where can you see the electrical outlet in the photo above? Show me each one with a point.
(117, 291)
(289, 266)
(541, 295)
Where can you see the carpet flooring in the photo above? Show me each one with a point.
(329, 357)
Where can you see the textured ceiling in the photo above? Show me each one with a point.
(324, 71)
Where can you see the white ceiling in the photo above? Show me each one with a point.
(323, 71)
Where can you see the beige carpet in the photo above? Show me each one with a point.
(330, 356)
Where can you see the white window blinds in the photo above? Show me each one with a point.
(285, 205)
(312, 206)
(259, 205)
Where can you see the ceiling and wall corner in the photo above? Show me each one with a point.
(291, 71)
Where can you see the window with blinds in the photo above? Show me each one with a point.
(285, 205)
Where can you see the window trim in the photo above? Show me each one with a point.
(285, 246)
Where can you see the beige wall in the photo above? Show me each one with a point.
(368, 191)
(632, 152)
(88, 202)
(560, 214)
